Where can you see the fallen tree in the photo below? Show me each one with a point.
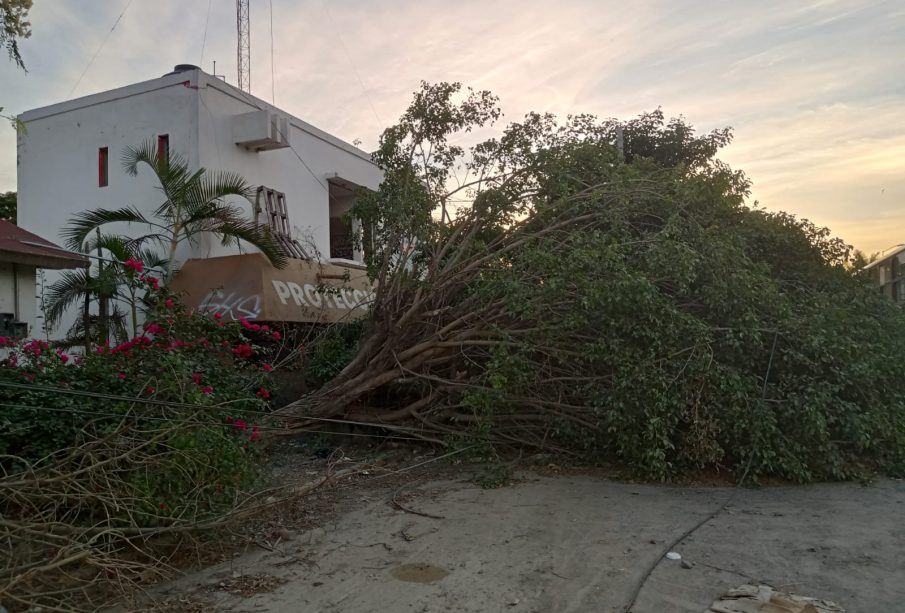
(602, 289)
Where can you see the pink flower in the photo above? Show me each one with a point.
(265, 328)
(169, 303)
(154, 328)
(78, 360)
(218, 316)
(263, 393)
(4, 341)
(241, 424)
(256, 327)
(155, 284)
(196, 377)
(121, 376)
(207, 390)
(277, 336)
(267, 367)
(63, 357)
(243, 350)
(135, 265)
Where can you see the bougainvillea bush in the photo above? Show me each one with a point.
(206, 376)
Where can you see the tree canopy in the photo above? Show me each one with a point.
(611, 304)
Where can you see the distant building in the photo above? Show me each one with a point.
(69, 161)
(888, 272)
(21, 255)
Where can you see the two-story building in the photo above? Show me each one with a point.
(888, 272)
(306, 179)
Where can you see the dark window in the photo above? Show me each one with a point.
(163, 148)
(102, 161)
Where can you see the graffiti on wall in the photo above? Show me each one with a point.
(232, 305)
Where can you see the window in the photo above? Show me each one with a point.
(163, 148)
(102, 161)
(342, 231)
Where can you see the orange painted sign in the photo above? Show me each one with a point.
(247, 286)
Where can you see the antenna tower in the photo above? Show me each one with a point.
(243, 52)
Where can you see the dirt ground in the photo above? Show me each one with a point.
(564, 543)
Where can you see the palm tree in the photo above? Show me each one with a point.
(110, 283)
(194, 204)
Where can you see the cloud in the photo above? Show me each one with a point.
(812, 88)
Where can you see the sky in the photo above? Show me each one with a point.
(813, 89)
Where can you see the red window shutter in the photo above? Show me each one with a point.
(163, 148)
(102, 161)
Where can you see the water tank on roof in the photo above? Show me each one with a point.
(182, 68)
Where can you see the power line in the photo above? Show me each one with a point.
(204, 37)
(342, 43)
(273, 96)
(189, 405)
(103, 42)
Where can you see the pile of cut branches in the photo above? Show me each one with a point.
(607, 293)
(82, 531)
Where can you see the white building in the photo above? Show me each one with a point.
(69, 161)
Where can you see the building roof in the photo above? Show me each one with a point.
(18, 246)
(885, 255)
(196, 79)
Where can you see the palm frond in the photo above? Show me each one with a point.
(230, 224)
(71, 287)
(85, 222)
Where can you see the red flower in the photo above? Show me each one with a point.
(277, 336)
(4, 341)
(154, 328)
(243, 351)
(254, 434)
(135, 265)
(150, 390)
(263, 393)
(207, 389)
(162, 506)
(256, 327)
(63, 357)
(240, 424)
(196, 377)
(265, 328)
(121, 376)
(169, 303)
(155, 284)
(218, 316)
(266, 367)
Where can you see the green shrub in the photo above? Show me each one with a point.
(197, 383)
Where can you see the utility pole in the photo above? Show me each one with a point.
(243, 51)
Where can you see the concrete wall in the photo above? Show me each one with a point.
(17, 293)
(303, 181)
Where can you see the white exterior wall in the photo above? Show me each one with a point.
(17, 293)
(58, 158)
(306, 188)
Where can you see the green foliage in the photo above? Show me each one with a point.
(8, 205)
(14, 25)
(702, 332)
(331, 351)
(194, 385)
(645, 311)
